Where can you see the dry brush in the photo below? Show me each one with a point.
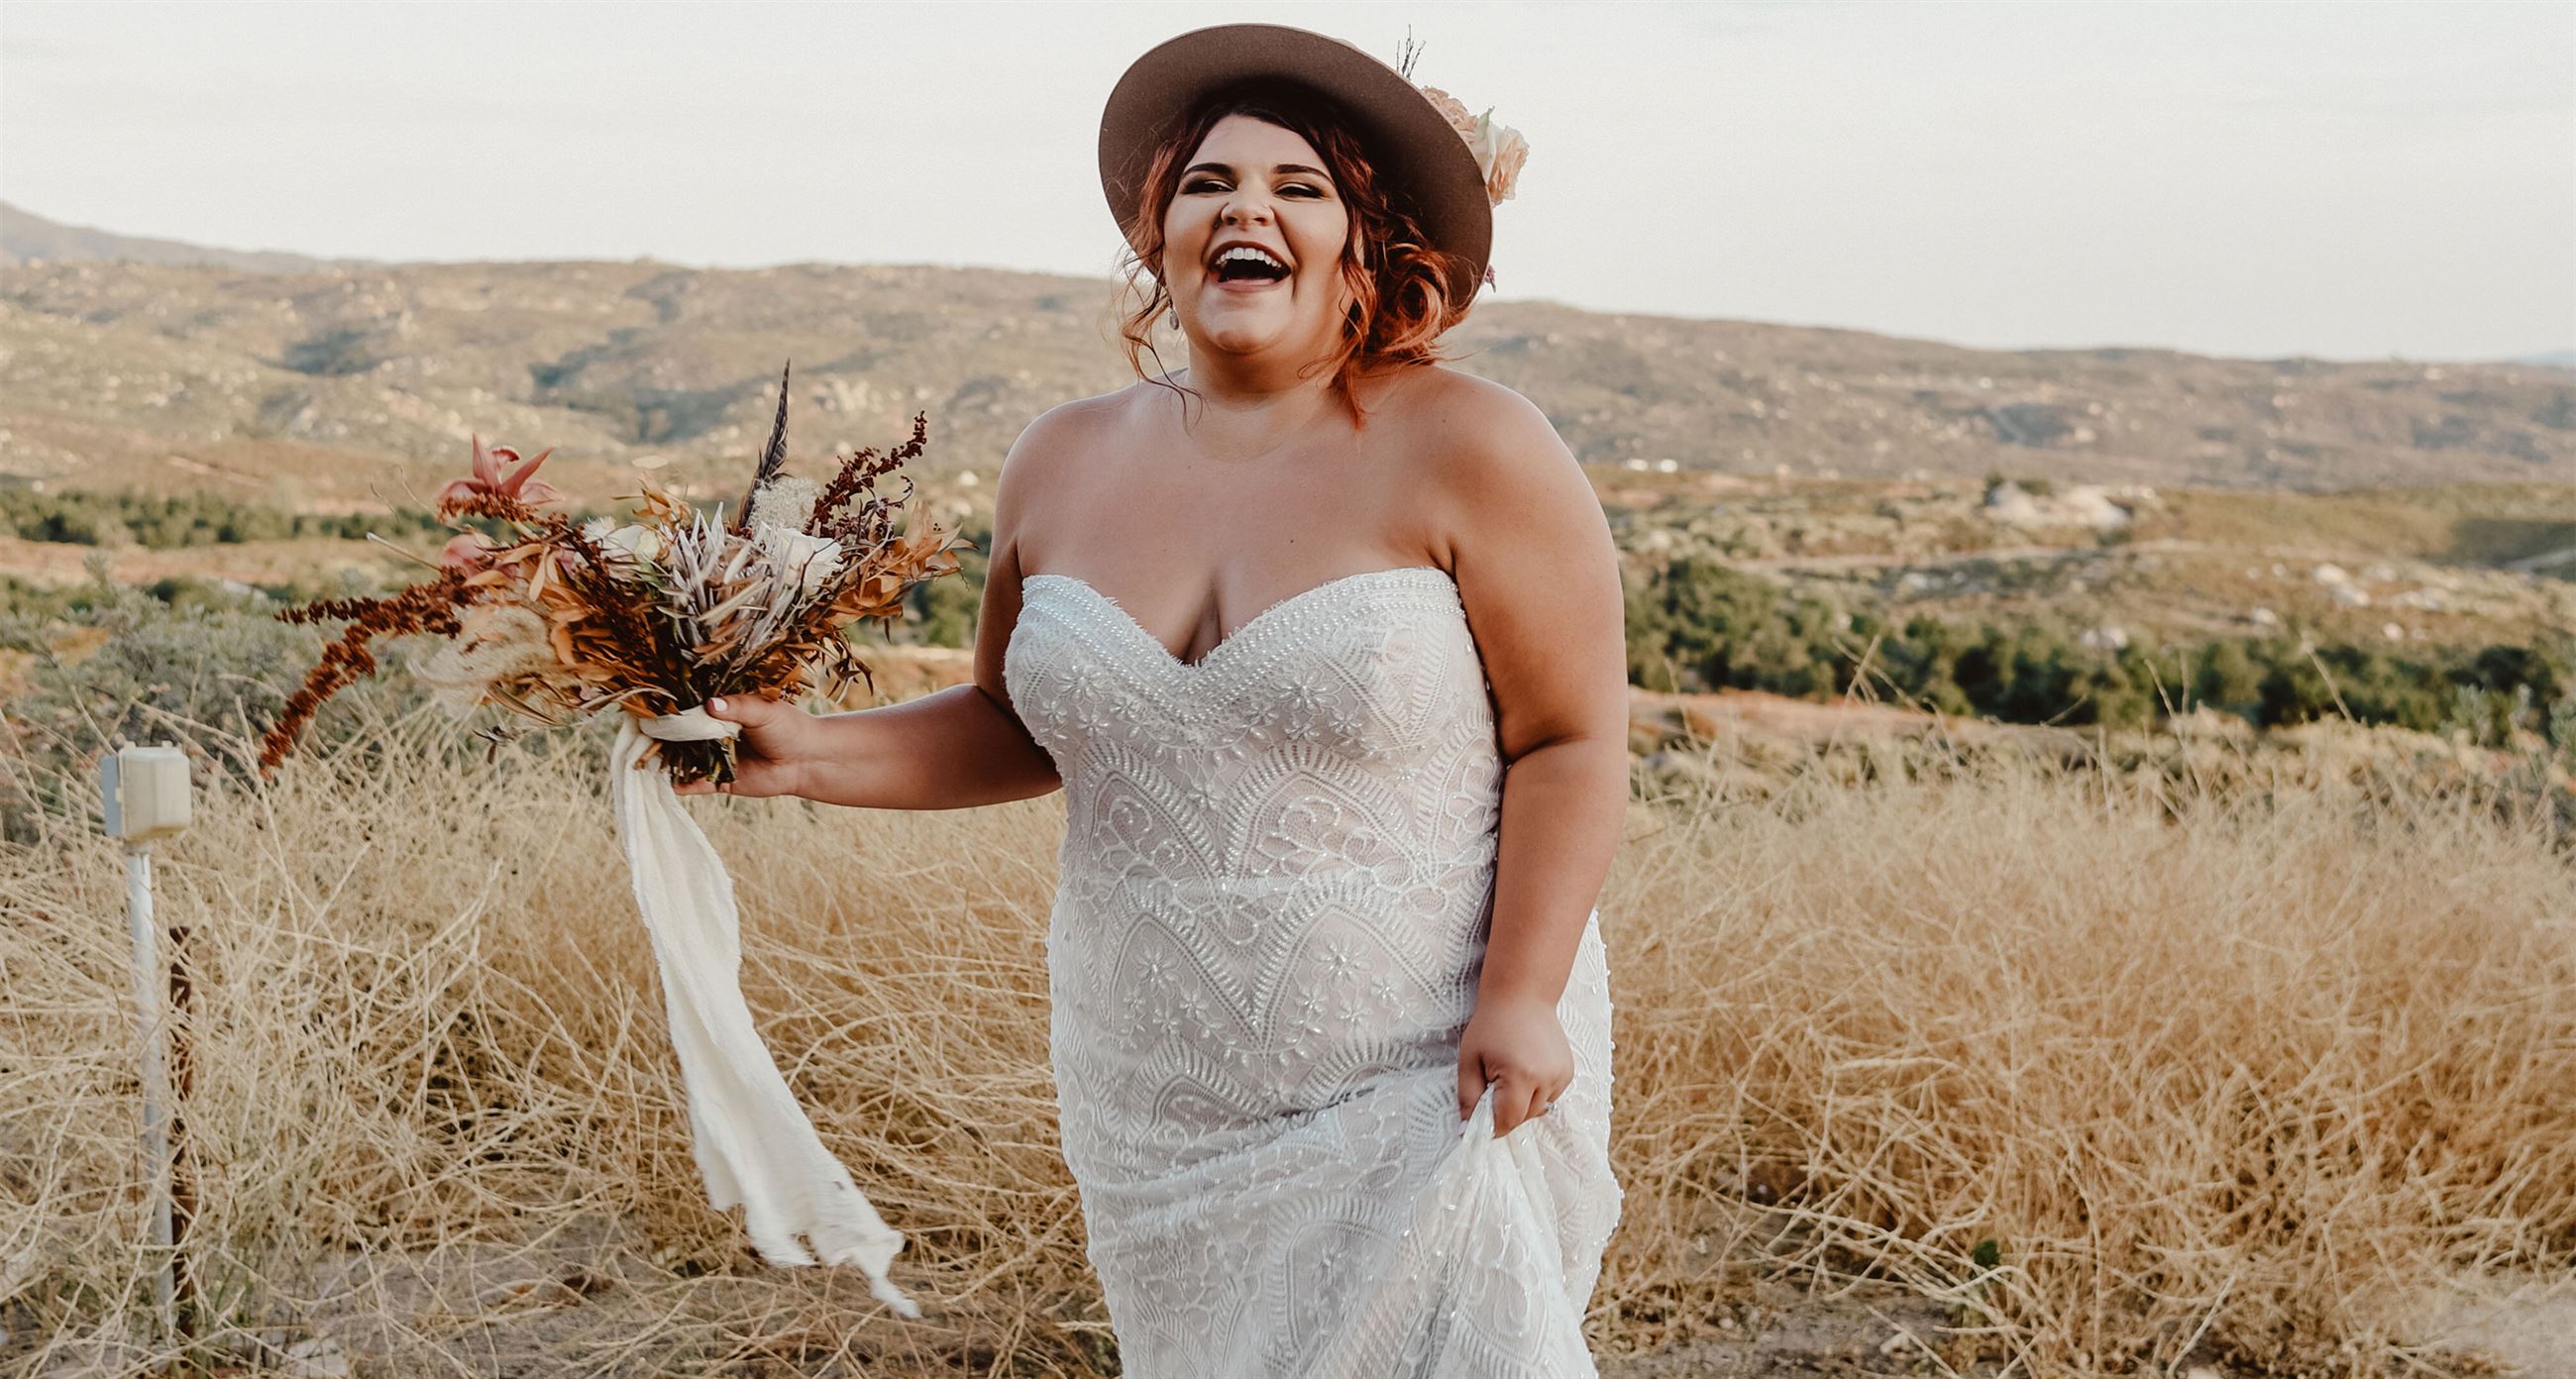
(2119, 1074)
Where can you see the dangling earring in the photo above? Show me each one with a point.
(1172, 318)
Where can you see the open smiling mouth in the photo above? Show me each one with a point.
(1249, 267)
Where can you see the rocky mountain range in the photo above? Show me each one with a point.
(130, 363)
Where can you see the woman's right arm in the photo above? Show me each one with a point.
(951, 749)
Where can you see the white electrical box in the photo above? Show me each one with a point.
(146, 790)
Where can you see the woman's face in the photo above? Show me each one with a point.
(1255, 186)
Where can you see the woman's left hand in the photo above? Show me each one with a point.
(1520, 1045)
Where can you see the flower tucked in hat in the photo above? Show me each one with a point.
(1500, 150)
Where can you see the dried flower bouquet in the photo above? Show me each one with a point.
(558, 620)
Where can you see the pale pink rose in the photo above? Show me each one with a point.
(1500, 150)
(1453, 110)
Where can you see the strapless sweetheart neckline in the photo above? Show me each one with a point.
(1269, 614)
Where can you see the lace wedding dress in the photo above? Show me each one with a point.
(1271, 915)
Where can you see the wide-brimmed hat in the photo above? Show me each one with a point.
(1419, 153)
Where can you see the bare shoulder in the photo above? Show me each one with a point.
(1526, 540)
(1485, 453)
(1049, 451)
(1440, 397)
(1046, 457)
(1060, 431)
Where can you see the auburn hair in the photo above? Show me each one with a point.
(1399, 282)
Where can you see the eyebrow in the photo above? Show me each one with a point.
(1228, 169)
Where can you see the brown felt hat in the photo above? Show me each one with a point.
(1420, 156)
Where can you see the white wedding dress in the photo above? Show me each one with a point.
(1275, 884)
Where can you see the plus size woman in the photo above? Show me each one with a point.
(1322, 640)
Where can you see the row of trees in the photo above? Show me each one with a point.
(174, 521)
(1696, 624)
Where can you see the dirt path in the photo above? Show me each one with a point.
(583, 1305)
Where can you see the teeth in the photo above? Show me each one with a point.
(1247, 252)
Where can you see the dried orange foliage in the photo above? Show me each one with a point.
(559, 620)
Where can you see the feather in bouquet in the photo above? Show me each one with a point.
(556, 620)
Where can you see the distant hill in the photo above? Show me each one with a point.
(121, 365)
(28, 238)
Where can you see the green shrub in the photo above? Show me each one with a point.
(176, 521)
(1696, 625)
(202, 664)
(943, 612)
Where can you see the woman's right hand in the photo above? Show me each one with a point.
(774, 753)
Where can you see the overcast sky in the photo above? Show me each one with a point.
(2249, 179)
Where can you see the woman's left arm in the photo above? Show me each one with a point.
(1539, 576)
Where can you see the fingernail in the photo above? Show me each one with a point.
(716, 704)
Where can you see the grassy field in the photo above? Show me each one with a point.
(2096, 1070)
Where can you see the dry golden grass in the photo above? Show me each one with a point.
(2226, 1077)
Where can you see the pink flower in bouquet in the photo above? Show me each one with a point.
(491, 476)
(465, 551)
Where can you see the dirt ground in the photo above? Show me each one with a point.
(572, 1308)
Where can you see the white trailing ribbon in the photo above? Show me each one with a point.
(754, 1146)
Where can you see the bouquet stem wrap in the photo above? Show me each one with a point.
(753, 1143)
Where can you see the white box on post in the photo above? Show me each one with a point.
(147, 792)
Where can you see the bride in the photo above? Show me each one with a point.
(1322, 640)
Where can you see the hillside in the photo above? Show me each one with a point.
(329, 384)
(28, 238)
